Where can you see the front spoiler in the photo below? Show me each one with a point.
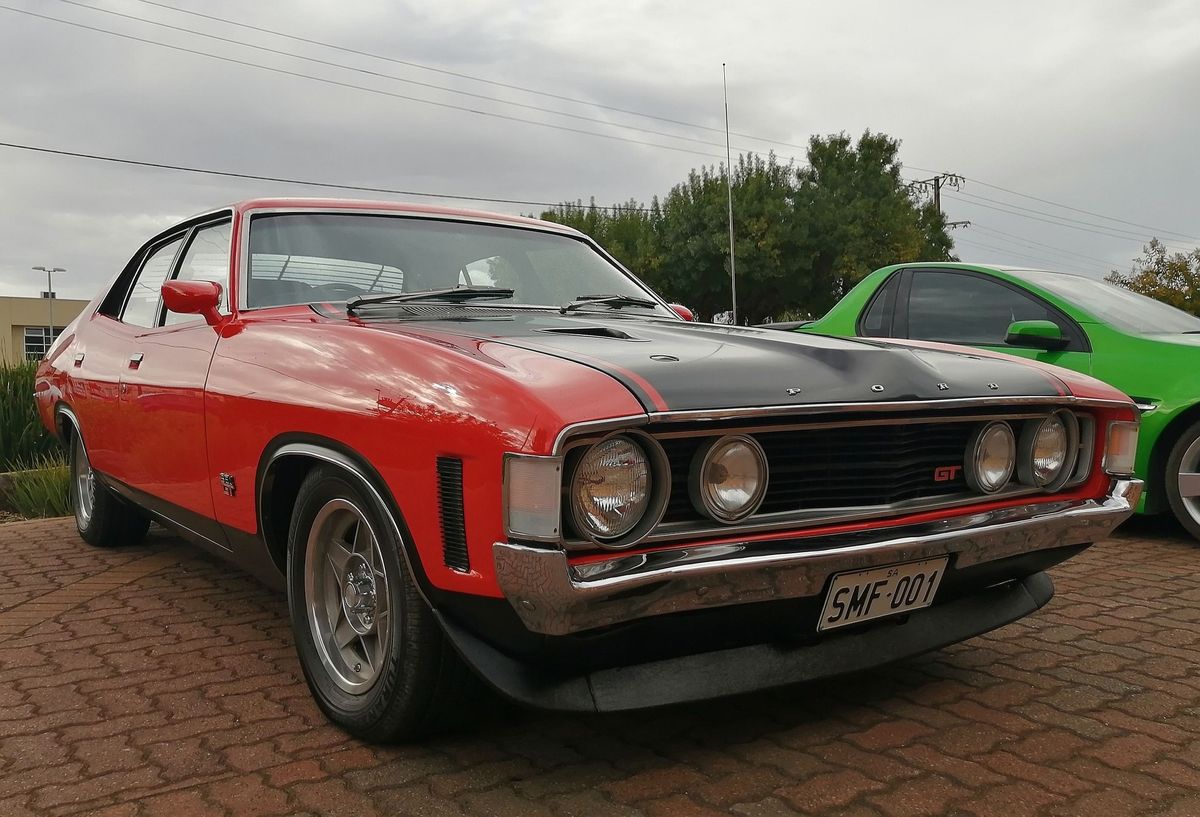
(554, 597)
(761, 666)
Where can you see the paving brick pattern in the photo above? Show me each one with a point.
(157, 681)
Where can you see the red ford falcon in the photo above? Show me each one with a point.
(474, 445)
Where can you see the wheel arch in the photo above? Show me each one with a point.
(285, 463)
(66, 423)
(1162, 451)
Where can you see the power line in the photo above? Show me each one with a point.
(1036, 258)
(365, 88)
(393, 77)
(302, 182)
(446, 72)
(1158, 230)
(1030, 242)
(1106, 233)
(975, 197)
(561, 97)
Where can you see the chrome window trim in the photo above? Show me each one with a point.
(562, 231)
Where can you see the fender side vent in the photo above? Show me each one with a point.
(450, 507)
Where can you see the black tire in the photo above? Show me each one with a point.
(1184, 458)
(110, 521)
(420, 685)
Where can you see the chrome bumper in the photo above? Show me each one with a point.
(554, 597)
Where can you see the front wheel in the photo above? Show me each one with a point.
(375, 659)
(102, 518)
(1182, 480)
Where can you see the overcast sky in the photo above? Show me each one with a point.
(1086, 104)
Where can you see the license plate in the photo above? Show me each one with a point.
(881, 591)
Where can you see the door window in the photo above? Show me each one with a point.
(206, 259)
(960, 308)
(877, 320)
(142, 305)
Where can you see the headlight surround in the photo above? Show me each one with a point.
(1048, 450)
(991, 457)
(618, 489)
(729, 478)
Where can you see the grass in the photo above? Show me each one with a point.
(42, 488)
(23, 439)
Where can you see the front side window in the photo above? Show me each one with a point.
(142, 304)
(298, 258)
(959, 308)
(206, 259)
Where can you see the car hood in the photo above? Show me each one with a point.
(677, 366)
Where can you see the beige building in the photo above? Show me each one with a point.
(25, 322)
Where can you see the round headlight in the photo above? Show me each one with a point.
(1045, 449)
(610, 488)
(991, 457)
(729, 478)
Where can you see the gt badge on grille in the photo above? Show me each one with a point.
(946, 473)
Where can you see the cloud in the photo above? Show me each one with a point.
(1073, 103)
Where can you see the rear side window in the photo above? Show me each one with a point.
(142, 305)
(951, 306)
(206, 259)
(877, 320)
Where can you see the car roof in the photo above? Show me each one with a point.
(300, 204)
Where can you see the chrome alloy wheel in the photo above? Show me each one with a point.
(1189, 480)
(346, 596)
(83, 485)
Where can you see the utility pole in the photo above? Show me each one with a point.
(50, 297)
(952, 180)
(729, 195)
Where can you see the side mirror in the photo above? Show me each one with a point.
(194, 298)
(683, 312)
(1036, 335)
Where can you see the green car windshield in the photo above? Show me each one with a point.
(1125, 310)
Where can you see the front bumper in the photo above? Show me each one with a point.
(553, 597)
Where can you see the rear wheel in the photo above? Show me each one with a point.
(102, 518)
(375, 659)
(1182, 480)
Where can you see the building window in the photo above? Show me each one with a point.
(37, 341)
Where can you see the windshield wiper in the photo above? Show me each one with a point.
(615, 301)
(452, 295)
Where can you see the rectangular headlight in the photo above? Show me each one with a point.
(1121, 449)
(532, 496)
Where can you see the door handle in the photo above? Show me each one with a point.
(78, 360)
(135, 360)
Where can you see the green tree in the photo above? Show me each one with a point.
(1171, 278)
(862, 215)
(692, 262)
(803, 236)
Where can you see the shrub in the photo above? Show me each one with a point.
(42, 489)
(22, 436)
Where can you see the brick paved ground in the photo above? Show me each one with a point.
(155, 681)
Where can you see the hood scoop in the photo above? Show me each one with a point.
(590, 332)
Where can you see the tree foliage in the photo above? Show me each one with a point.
(1171, 278)
(803, 236)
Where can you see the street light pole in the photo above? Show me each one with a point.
(50, 297)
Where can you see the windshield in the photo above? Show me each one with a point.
(1116, 305)
(298, 258)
